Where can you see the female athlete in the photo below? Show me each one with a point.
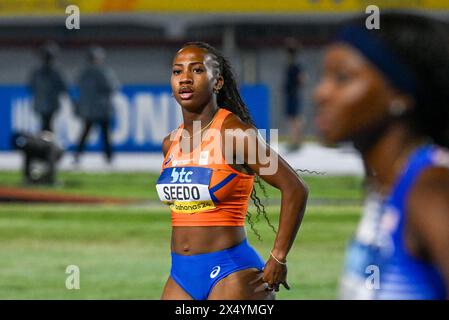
(207, 178)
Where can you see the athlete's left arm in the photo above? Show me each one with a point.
(428, 217)
(263, 160)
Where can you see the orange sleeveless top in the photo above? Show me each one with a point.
(200, 187)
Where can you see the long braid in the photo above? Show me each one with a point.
(229, 98)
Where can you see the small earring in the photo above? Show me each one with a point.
(216, 91)
(397, 108)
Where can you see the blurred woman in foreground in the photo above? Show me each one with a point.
(387, 91)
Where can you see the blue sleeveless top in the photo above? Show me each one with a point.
(378, 265)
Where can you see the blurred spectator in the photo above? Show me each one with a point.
(294, 78)
(46, 84)
(97, 84)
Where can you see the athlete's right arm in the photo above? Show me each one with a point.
(274, 170)
(166, 143)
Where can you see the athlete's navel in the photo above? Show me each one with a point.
(185, 248)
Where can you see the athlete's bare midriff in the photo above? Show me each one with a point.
(197, 240)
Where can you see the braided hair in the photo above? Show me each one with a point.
(229, 98)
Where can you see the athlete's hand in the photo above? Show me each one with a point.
(275, 274)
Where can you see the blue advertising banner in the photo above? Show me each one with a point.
(144, 115)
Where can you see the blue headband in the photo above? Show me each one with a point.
(381, 56)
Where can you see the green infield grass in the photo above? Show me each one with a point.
(123, 252)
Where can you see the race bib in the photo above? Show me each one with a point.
(185, 189)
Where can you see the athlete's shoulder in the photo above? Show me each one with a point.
(234, 129)
(433, 179)
(430, 190)
(168, 140)
(232, 121)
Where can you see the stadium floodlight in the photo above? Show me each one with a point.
(41, 154)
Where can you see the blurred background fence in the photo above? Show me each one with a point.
(141, 37)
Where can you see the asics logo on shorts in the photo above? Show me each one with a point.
(215, 272)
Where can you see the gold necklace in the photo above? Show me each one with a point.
(202, 129)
